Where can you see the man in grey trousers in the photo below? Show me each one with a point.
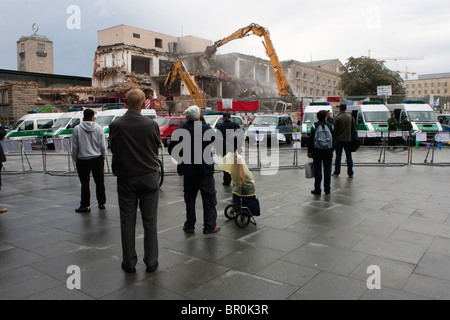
(135, 142)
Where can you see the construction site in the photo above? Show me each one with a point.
(129, 57)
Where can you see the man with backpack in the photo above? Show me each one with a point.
(320, 148)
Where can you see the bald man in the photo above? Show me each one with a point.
(135, 142)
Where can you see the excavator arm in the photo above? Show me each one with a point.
(180, 70)
(284, 89)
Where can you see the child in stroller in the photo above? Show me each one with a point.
(245, 204)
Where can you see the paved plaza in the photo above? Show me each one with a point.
(391, 215)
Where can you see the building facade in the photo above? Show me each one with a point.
(35, 54)
(128, 54)
(428, 84)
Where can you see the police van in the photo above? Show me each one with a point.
(421, 115)
(104, 118)
(63, 127)
(371, 119)
(310, 117)
(32, 126)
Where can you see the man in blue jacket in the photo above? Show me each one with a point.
(189, 146)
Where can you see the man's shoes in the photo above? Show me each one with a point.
(226, 184)
(83, 209)
(327, 192)
(3, 210)
(128, 270)
(152, 268)
(335, 175)
(187, 230)
(216, 229)
(317, 193)
(101, 206)
(351, 177)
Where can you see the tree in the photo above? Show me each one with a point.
(361, 77)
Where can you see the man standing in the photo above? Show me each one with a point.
(229, 134)
(2, 159)
(89, 153)
(135, 142)
(344, 128)
(198, 172)
(392, 126)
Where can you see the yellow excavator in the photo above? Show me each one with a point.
(284, 89)
(180, 70)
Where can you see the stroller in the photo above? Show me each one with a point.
(243, 210)
(245, 204)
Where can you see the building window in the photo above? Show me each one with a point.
(298, 76)
(158, 43)
(136, 35)
(41, 50)
(305, 77)
(311, 78)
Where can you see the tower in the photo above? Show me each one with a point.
(35, 53)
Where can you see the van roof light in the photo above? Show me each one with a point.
(414, 102)
(75, 109)
(319, 103)
(371, 102)
(32, 112)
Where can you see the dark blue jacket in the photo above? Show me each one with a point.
(189, 154)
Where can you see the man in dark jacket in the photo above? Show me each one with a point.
(2, 159)
(230, 138)
(135, 142)
(344, 128)
(322, 153)
(189, 146)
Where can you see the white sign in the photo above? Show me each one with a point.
(384, 91)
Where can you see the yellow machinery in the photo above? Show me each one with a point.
(180, 70)
(284, 89)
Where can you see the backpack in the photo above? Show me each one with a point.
(323, 139)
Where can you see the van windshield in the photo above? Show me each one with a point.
(422, 116)
(310, 117)
(265, 121)
(104, 121)
(162, 122)
(60, 123)
(377, 116)
(16, 125)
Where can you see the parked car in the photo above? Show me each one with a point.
(167, 125)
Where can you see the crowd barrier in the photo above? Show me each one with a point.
(30, 156)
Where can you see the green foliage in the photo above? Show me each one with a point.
(361, 77)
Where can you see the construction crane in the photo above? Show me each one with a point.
(284, 89)
(180, 70)
(406, 73)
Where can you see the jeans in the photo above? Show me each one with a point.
(84, 169)
(340, 147)
(325, 158)
(206, 185)
(145, 191)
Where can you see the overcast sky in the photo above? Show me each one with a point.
(300, 30)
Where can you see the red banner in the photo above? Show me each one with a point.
(334, 99)
(241, 106)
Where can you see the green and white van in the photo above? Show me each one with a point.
(104, 118)
(63, 127)
(421, 115)
(32, 126)
(310, 117)
(371, 119)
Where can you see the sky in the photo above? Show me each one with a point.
(300, 30)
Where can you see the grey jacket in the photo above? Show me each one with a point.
(88, 141)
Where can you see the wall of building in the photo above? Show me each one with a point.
(22, 97)
(35, 54)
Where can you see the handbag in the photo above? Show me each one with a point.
(309, 170)
(355, 143)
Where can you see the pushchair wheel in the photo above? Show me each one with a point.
(229, 212)
(242, 219)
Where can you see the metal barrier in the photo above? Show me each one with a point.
(25, 156)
